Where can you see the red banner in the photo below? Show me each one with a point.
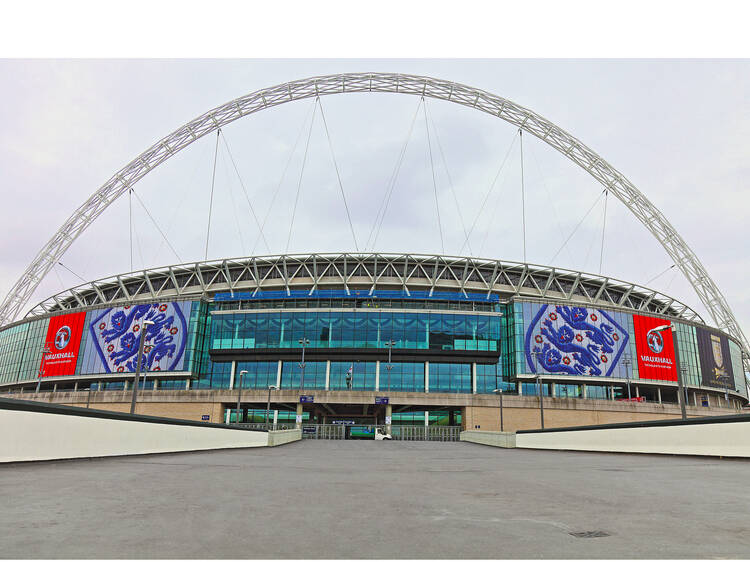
(61, 346)
(655, 349)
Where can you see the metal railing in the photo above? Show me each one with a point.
(339, 431)
(426, 433)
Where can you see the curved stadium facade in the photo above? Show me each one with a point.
(338, 333)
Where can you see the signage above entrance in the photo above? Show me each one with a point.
(381, 400)
(306, 399)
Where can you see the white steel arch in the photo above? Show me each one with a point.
(565, 143)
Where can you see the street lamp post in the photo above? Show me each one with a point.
(627, 362)
(680, 394)
(239, 397)
(303, 342)
(268, 404)
(88, 398)
(536, 355)
(139, 360)
(499, 392)
(390, 345)
(45, 351)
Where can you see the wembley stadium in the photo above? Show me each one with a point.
(364, 339)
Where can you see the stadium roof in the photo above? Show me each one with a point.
(364, 271)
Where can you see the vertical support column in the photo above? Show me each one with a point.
(275, 418)
(377, 376)
(427, 376)
(227, 413)
(519, 387)
(298, 420)
(658, 393)
(473, 378)
(426, 418)
(278, 381)
(156, 383)
(187, 383)
(584, 391)
(695, 399)
(75, 387)
(328, 374)
(231, 375)
(388, 415)
(552, 387)
(637, 392)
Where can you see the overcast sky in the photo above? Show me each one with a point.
(677, 129)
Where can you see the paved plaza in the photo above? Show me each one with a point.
(367, 499)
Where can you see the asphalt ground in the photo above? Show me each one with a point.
(373, 499)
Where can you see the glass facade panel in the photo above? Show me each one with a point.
(356, 329)
(260, 374)
(352, 375)
(404, 377)
(450, 377)
(292, 375)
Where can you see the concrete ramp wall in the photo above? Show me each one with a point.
(37, 431)
(725, 436)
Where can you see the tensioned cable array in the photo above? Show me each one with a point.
(299, 183)
(338, 175)
(390, 186)
(434, 182)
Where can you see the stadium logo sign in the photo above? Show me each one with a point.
(574, 341)
(655, 341)
(62, 337)
(61, 345)
(117, 332)
(655, 349)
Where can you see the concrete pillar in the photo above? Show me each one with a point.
(584, 392)
(658, 393)
(426, 376)
(275, 417)
(328, 375)
(75, 387)
(187, 383)
(388, 415)
(426, 418)
(231, 375)
(377, 376)
(473, 378)
(278, 381)
(519, 386)
(125, 385)
(552, 387)
(695, 399)
(156, 383)
(298, 421)
(637, 392)
(227, 413)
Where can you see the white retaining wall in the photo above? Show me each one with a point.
(28, 435)
(713, 439)
(283, 436)
(505, 439)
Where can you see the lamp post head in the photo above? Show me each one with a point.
(498, 391)
(272, 387)
(243, 372)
